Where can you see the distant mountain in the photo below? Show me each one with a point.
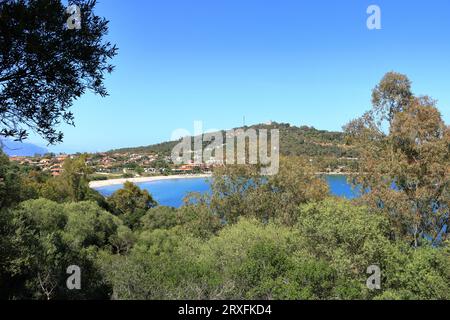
(298, 141)
(21, 149)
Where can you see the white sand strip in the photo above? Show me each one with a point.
(112, 182)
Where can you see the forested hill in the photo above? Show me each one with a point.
(301, 141)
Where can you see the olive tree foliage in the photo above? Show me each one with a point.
(45, 66)
(405, 168)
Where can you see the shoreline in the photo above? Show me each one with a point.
(118, 181)
(112, 182)
(336, 173)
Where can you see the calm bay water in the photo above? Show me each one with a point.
(172, 192)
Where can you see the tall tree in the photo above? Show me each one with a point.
(45, 65)
(75, 176)
(405, 169)
(391, 95)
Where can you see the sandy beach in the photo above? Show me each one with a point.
(111, 182)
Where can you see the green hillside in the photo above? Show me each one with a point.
(298, 141)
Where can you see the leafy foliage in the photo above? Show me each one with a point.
(240, 190)
(130, 203)
(44, 66)
(44, 239)
(405, 170)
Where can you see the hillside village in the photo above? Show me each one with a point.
(326, 150)
(127, 165)
(112, 165)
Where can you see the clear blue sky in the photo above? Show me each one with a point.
(304, 62)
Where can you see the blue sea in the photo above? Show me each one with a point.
(171, 192)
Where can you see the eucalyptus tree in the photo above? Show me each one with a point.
(405, 161)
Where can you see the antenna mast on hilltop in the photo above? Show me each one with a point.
(243, 121)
